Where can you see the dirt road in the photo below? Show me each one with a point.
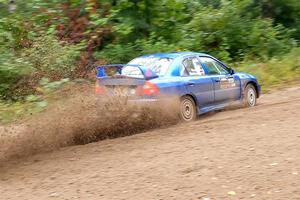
(237, 154)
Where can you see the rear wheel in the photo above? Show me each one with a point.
(188, 111)
(250, 96)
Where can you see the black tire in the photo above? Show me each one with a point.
(188, 111)
(250, 96)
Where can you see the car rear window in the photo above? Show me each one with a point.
(133, 72)
(159, 65)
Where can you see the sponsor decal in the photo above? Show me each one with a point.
(227, 83)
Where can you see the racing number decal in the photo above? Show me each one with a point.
(227, 83)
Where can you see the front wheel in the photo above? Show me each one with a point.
(250, 96)
(188, 111)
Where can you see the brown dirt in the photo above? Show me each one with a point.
(80, 119)
(248, 153)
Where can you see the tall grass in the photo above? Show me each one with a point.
(276, 71)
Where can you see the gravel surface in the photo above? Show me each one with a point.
(250, 153)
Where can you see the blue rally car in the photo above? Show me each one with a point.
(200, 81)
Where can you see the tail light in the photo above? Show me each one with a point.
(99, 89)
(150, 88)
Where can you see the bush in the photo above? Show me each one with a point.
(117, 53)
(278, 70)
(230, 34)
(12, 69)
(33, 103)
(21, 68)
(51, 58)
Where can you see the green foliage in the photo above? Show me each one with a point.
(116, 53)
(12, 69)
(24, 53)
(12, 110)
(13, 32)
(230, 30)
(278, 70)
(228, 34)
(285, 12)
(47, 86)
(46, 57)
(50, 57)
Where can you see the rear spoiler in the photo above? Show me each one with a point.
(115, 70)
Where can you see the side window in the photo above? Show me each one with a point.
(192, 67)
(220, 68)
(214, 67)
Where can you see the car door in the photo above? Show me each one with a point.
(227, 87)
(196, 82)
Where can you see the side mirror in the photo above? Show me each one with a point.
(231, 71)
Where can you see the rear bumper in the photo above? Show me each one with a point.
(166, 104)
(143, 101)
(122, 100)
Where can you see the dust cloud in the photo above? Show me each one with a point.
(80, 119)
